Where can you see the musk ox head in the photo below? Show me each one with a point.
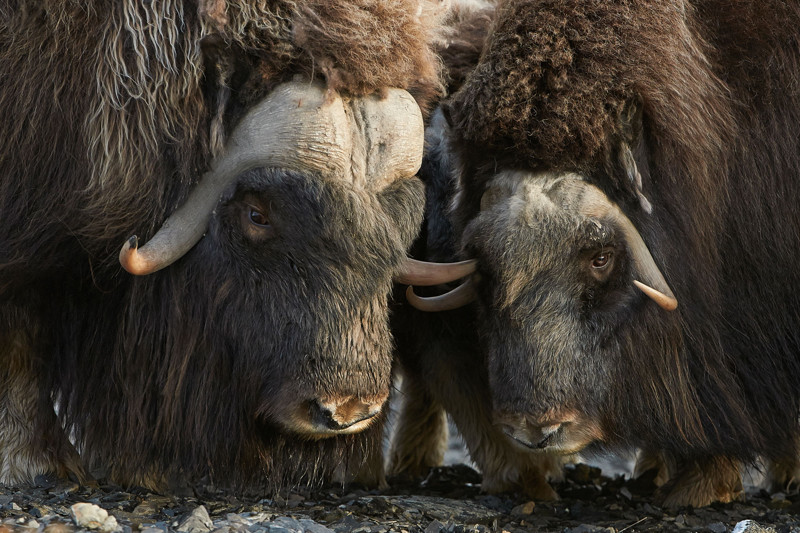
(279, 264)
(559, 271)
(562, 270)
(307, 214)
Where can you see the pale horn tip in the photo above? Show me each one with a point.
(666, 302)
(131, 260)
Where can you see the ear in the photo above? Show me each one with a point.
(631, 120)
(632, 148)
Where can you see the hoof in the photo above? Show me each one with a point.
(702, 483)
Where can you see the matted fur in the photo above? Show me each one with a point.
(134, 73)
(110, 111)
(555, 76)
(706, 95)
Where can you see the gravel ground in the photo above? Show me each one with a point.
(449, 500)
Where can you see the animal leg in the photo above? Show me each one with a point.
(783, 475)
(652, 463)
(420, 437)
(519, 471)
(505, 467)
(31, 439)
(701, 482)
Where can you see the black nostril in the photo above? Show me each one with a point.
(322, 416)
(550, 434)
(545, 442)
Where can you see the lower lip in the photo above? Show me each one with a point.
(541, 446)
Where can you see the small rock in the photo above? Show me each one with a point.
(43, 481)
(284, 524)
(524, 509)
(310, 526)
(348, 523)
(651, 511)
(92, 516)
(583, 474)
(152, 506)
(588, 528)
(779, 504)
(66, 488)
(152, 530)
(717, 527)
(58, 527)
(749, 526)
(237, 519)
(197, 522)
(434, 527)
(626, 493)
(15, 507)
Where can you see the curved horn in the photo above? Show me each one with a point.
(299, 126)
(592, 202)
(458, 297)
(422, 273)
(665, 301)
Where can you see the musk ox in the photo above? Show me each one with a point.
(268, 153)
(628, 184)
(441, 364)
(443, 367)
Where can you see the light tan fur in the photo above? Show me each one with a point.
(783, 475)
(24, 451)
(420, 434)
(695, 483)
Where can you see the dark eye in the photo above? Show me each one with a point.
(602, 259)
(257, 217)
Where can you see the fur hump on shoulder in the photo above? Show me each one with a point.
(555, 77)
(365, 45)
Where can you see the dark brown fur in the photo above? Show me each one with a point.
(706, 93)
(109, 113)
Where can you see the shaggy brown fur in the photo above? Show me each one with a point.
(124, 80)
(706, 94)
(110, 111)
